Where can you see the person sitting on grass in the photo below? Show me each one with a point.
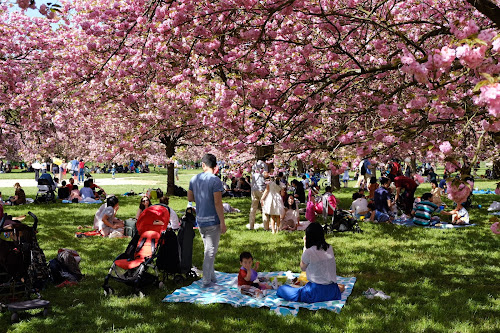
(86, 191)
(436, 192)
(359, 205)
(105, 220)
(75, 196)
(19, 197)
(459, 215)
(247, 276)
(63, 191)
(374, 215)
(290, 217)
(318, 261)
(70, 184)
(145, 203)
(97, 193)
(422, 213)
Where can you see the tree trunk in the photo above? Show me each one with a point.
(413, 165)
(300, 167)
(265, 153)
(496, 168)
(169, 143)
(336, 182)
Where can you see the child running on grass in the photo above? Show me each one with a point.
(248, 275)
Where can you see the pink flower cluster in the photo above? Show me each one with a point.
(459, 191)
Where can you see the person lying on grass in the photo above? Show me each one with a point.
(248, 275)
(318, 261)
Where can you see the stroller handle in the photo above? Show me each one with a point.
(35, 224)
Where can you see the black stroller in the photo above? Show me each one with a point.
(342, 220)
(45, 192)
(176, 254)
(23, 268)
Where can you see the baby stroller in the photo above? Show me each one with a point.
(45, 192)
(175, 256)
(23, 269)
(131, 266)
(342, 220)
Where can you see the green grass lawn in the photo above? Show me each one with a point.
(439, 280)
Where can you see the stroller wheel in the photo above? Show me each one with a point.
(161, 285)
(108, 291)
(45, 312)
(140, 294)
(15, 317)
(178, 279)
(192, 274)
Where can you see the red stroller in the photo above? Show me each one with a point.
(131, 266)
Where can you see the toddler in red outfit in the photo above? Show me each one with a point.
(248, 275)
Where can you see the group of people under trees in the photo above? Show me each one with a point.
(396, 192)
(108, 225)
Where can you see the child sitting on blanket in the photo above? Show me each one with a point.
(318, 261)
(459, 215)
(248, 275)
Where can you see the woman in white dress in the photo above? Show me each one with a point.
(272, 203)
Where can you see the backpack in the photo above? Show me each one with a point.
(168, 257)
(180, 192)
(129, 228)
(66, 266)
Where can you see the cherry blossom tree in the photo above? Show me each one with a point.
(327, 80)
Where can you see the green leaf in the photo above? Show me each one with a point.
(479, 85)
(488, 77)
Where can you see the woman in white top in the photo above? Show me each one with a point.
(272, 203)
(318, 261)
(105, 219)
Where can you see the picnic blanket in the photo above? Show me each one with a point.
(226, 291)
(303, 225)
(483, 192)
(84, 202)
(434, 225)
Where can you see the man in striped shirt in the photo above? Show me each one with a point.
(423, 211)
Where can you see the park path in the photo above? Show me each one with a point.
(100, 182)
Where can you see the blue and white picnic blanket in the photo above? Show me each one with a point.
(483, 191)
(434, 225)
(226, 291)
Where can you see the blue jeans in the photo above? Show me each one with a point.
(210, 236)
(310, 293)
(81, 175)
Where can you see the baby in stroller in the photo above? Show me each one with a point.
(105, 220)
